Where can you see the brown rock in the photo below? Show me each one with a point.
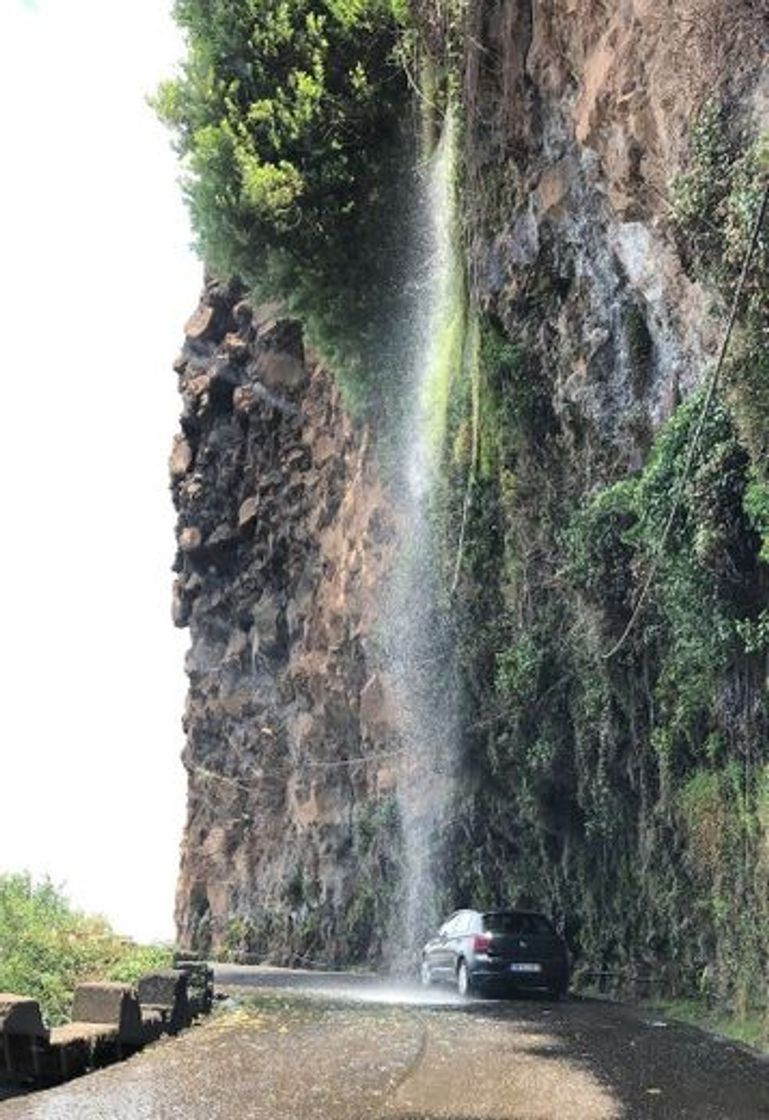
(197, 386)
(237, 347)
(190, 538)
(244, 398)
(181, 457)
(280, 370)
(199, 325)
(323, 449)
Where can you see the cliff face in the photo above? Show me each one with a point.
(580, 119)
(284, 534)
(610, 185)
(614, 773)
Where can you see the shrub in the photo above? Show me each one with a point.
(47, 947)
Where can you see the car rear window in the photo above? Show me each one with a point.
(507, 922)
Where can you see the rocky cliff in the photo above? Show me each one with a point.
(284, 535)
(602, 519)
(613, 175)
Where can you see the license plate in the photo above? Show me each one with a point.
(525, 967)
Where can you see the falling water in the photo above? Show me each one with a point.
(423, 661)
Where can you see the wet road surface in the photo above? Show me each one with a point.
(324, 1046)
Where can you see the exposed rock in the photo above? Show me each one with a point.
(248, 511)
(181, 457)
(280, 370)
(282, 621)
(190, 538)
(199, 325)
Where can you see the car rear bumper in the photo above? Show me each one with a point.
(553, 975)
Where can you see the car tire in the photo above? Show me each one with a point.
(426, 975)
(554, 994)
(464, 982)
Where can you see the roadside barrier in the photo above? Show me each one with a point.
(109, 1022)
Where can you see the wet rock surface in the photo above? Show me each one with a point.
(284, 535)
(340, 1048)
(576, 131)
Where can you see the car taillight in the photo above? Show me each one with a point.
(481, 942)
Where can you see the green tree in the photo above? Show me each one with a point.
(289, 118)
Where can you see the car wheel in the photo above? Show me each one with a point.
(464, 983)
(554, 994)
(426, 975)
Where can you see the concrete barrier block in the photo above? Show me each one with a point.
(20, 1015)
(115, 1005)
(168, 989)
(23, 1036)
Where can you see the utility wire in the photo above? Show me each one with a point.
(693, 446)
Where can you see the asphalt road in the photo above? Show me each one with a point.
(326, 1046)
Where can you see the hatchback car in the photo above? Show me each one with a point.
(478, 950)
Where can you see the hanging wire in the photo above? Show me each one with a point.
(694, 445)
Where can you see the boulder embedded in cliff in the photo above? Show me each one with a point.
(237, 347)
(278, 369)
(190, 538)
(181, 457)
(200, 325)
(248, 511)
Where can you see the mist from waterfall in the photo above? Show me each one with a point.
(421, 647)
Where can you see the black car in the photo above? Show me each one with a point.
(478, 950)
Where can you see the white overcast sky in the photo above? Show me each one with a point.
(96, 281)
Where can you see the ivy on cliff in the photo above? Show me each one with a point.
(627, 794)
(289, 118)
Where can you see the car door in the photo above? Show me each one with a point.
(455, 940)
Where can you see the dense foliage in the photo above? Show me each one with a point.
(627, 792)
(291, 120)
(47, 947)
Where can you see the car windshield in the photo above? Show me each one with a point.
(506, 921)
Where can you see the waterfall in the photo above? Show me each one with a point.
(421, 646)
